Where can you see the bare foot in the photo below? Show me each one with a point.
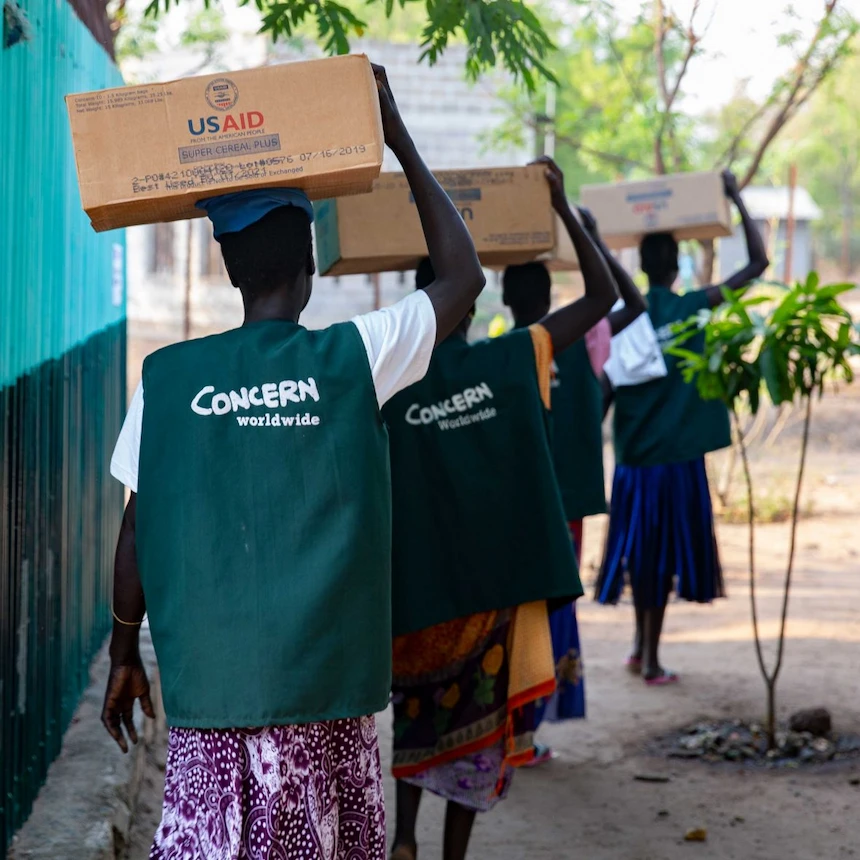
(404, 852)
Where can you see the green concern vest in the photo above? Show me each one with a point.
(264, 527)
(478, 518)
(577, 438)
(665, 420)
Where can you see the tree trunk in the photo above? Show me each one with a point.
(847, 226)
(790, 224)
(706, 272)
(792, 546)
(724, 485)
(769, 682)
(770, 722)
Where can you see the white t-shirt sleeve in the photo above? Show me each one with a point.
(399, 341)
(126, 454)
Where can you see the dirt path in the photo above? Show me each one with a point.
(587, 805)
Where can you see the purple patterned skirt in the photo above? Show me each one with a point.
(303, 792)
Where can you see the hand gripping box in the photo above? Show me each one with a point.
(688, 205)
(507, 210)
(148, 153)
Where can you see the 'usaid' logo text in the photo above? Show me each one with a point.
(231, 122)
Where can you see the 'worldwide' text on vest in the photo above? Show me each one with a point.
(462, 402)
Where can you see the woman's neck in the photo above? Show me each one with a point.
(523, 320)
(274, 307)
(660, 285)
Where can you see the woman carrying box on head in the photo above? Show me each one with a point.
(480, 545)
(661, 529)
(262, 554)
(578, 390)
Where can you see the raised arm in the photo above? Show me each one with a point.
(570, 323)
(127, 680)
(758, 261)
(634, 302)
(459, 277)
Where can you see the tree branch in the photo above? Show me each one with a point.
(751, 546)
(620, 160)
(660, 59)
(570, 140)
(795, 97)
(795, 515)
(619, 59)
(669, 96)
(692, 41)
(730, 155)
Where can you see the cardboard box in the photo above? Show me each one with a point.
(148, 153)
(689, 205)
(507, 210)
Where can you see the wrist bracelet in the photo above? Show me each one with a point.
(126, 623)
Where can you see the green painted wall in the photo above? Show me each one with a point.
(56, 275)
(62, 400)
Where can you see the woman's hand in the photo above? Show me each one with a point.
(555, 178)
(125, 684)
(393, 127)
(730, 184)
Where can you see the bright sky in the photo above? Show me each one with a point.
(740, 43)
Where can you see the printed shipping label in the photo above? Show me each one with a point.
(521, 239)
(229, 149)
(458, 195)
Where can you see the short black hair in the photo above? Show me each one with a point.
(270, 252)
(424, 274)
(526, 287)
(658, 257)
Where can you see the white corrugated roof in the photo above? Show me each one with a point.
(765, 203)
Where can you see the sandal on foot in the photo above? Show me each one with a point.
(404, 852)
(633, 665)
(663, 679)
(543, 754)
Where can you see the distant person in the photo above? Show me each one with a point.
(480, 545)
(258, 538)
(661, 528)
(578, 389)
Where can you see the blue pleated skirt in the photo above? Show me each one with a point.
(661, 536)
(568, 700)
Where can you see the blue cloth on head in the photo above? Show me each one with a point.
(230, 213)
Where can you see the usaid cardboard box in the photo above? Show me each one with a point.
(507, 210)
(688, 205)
(149, 153)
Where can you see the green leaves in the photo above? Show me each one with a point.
(496, 32)
(334, 22)
(804, 338)
(504, 32)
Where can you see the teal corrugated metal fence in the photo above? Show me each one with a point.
(62, 397)
(56, 275)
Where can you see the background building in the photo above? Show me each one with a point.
(769, 208)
